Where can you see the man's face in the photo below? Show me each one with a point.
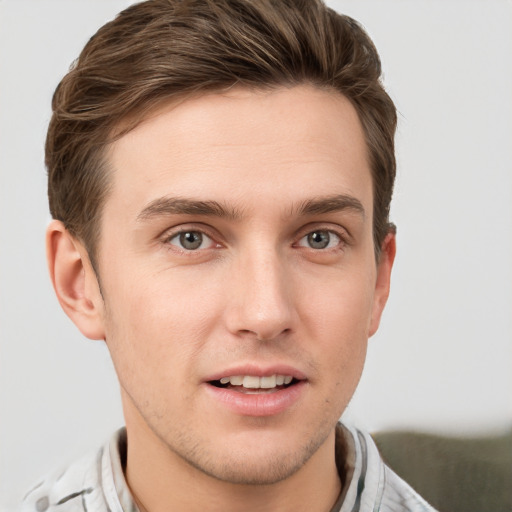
(236, 255)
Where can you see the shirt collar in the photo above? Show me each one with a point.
(117, 451)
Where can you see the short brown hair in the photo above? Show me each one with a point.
(163, 49)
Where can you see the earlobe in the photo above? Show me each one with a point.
(382, 284)
(74, 281)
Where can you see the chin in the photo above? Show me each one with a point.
(257, 470)
(256, 462)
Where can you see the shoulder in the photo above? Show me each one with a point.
(398, 495)
(372, 485)
(65, 489)
(84, 486)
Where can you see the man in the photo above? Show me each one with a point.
(220, 174)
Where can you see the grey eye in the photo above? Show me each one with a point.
(321, 239)
(189, 240)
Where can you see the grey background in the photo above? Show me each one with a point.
(442, 359)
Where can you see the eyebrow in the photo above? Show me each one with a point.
(176, 205)
(331, 204)
(164, 206)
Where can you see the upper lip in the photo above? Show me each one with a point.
(258, 371)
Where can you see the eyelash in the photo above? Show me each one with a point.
(341, 235)
(169, 236)
(329, 240)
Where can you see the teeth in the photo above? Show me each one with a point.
(237, 380)
(268, 382)
(251, 382)
(254, 382)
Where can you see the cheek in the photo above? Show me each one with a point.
(341, 306)
(338, 320)
(344, 350)
(158, 321)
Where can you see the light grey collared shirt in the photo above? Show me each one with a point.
(96, 483)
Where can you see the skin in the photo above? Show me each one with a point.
(255, 292)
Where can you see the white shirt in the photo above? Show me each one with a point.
(96, 483)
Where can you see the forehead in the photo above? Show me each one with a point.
(285, 143)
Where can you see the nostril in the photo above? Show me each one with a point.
(271, 336)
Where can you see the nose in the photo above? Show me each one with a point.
(261, 302)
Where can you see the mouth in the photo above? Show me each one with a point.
(253, 384)
(256, 391)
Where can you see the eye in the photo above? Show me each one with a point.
(191, 240)
(320, 239)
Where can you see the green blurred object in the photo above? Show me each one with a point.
(453, 473)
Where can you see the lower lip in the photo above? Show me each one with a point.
(258, 404)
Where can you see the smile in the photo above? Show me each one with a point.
(255, 390)
(253, 383)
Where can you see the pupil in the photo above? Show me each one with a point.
(319, 239)
(191, 240)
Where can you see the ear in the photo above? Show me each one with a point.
(74, 281)
(382, 284)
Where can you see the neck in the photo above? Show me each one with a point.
(160, 480)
